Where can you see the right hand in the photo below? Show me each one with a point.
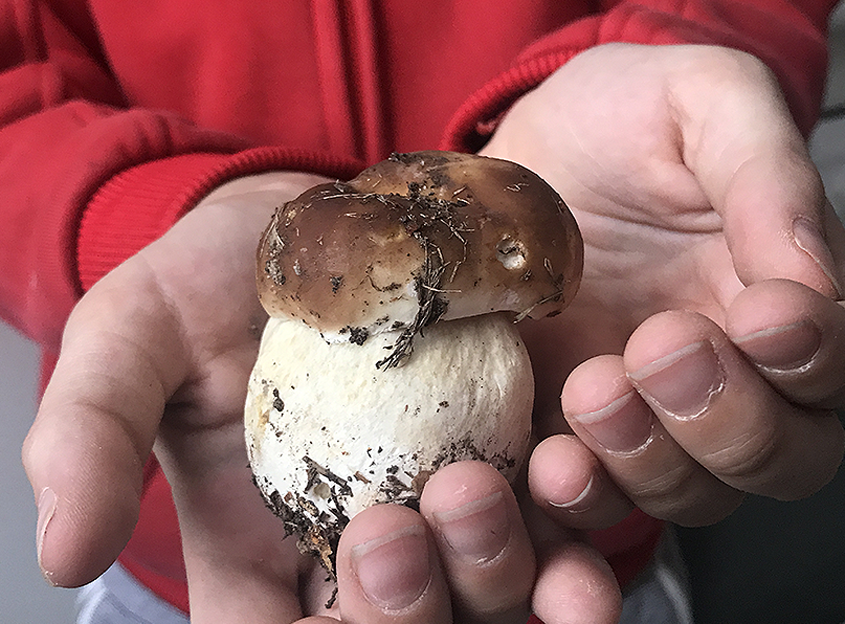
(703, 354)
(156, 356)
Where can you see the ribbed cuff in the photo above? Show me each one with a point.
(474, 123)
(138, 205)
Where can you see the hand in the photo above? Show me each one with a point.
(705, 348)
(156, 356)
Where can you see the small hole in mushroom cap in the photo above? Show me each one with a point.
(510, 253)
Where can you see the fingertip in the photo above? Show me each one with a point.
(777, 223)
(87, 493)
(794, 336)
(678, 362)
(594, 384)
(600, 404)
(809, 237)
(459, 483)
(73, 551)
(569, 483)
(576, 585)
(387, 555)
(483, 542)
(782, 347)
(474, 515)
(46, 506)
(387, 569)
(562, 474)
(771, 303)
(665, 333)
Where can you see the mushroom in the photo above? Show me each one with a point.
(391, 348)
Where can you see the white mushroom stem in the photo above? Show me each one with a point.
(329, 435)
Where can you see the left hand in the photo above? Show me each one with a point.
(703, 354)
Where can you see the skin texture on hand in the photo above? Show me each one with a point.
(156, 356)
(702, 355)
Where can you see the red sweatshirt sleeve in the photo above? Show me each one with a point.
(87, 180)
(790, 37)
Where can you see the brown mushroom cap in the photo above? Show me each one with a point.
(418, 238)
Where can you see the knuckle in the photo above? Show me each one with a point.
(749, 458)
(668, 483)
(686, 495)
(782, 462)
(674, 485)
(741, 64)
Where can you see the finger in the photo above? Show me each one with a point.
(795, 337)
(643, 459)
(568, 482)
(483, 543)
(713, 402)
(754, 167)
(574, 585)
(95, 427)
(388, 570)
(237, 558)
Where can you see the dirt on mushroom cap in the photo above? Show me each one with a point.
(417, 238)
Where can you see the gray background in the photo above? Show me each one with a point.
(25, 598)
(769, 562)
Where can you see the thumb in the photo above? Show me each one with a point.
(95, 428)
(753, 164)
(778, 223)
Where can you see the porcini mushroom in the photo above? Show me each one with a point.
(391, 348)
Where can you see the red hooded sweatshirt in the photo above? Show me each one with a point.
(116, 117)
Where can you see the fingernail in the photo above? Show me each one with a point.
(574, 505)
(785, 348)
(623, 426)
(682, 383)
(478, 530)
(46, 509)
(810, 238)
(393, 569)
